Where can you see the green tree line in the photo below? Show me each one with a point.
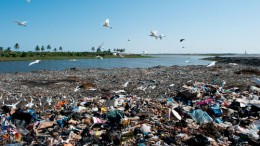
(46, 51)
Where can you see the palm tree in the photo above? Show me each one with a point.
(93, 49)
(60, 48)
(55, 49)
(42, 49)
(37, 48)
(16, 46)
(49, 47)
(8, 49)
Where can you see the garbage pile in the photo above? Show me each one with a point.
(196, 114)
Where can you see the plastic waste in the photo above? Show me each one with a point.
(216, 110)
(176, 114)
(169, 101)
(200, 116)
(218, 120)
(253, 88)
(145, 129)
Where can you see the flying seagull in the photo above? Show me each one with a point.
(154, 34)
(28, 1)
(106, 24)
(181, 40)
(128, 40)
(212, 64)
(182, 47)
(36, 61)
(14, 105)
(76, 89)
(188, 60)
(21, 23)
(121, 55)
(126, 83)
(99, 57)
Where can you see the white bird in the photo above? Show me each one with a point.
(73, 59)
(36, 61)
(21, 23)
(152, 87)
(76, 89)
(99, 57)
(13, 105)
(188, 60)
(114, 54)
(154, 34)
(212, 64)
(121, 55)
(126, 83)
(28, 1)
(106, 24)
(142, 88)
(233, 64)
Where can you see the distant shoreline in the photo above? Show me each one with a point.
(3, 59)
(249, 61)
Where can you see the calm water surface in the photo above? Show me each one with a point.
(106, 63)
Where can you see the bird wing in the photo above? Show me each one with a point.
(24, 22)
(17, 22)
(154, 33)
(9, 105)
(17, 103)
(31, 63)
(211, 64)
(36, 61)
(107, 21)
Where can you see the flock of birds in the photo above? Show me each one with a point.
(39, 102)
(106, 23)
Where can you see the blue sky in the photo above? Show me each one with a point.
(209, 26)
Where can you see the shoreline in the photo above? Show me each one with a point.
(249, 61)
(6, 59)
(113, 79)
